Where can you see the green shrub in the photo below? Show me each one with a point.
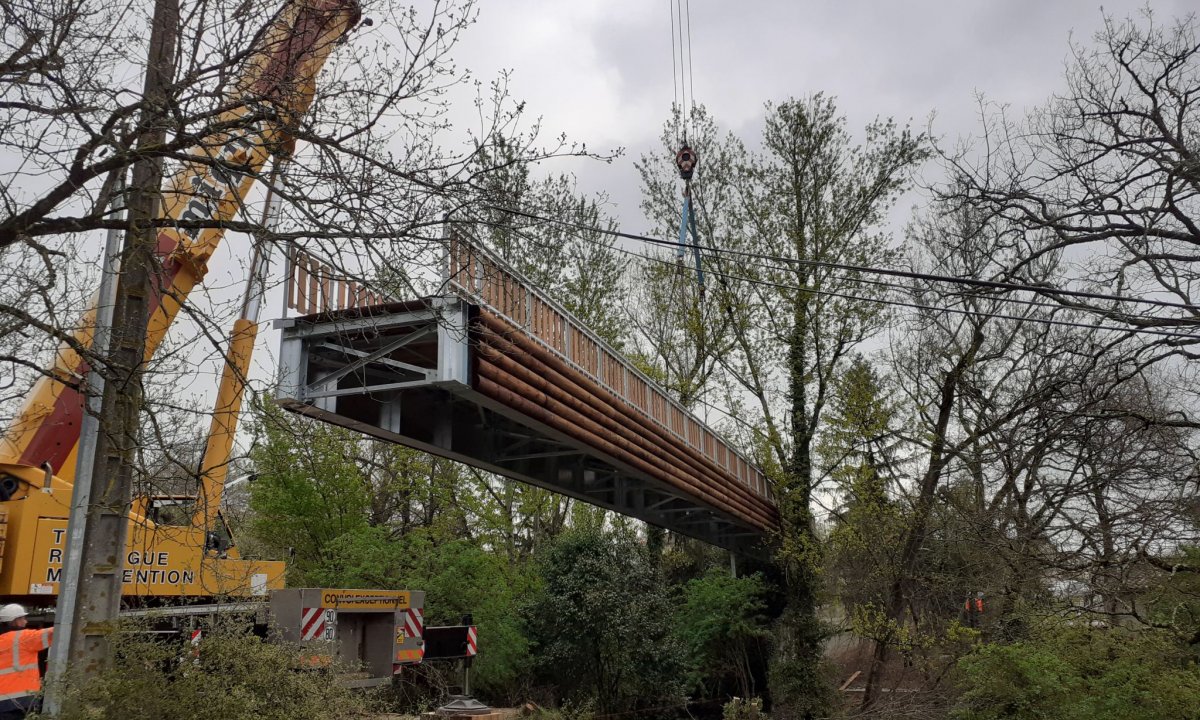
(1081, 673)
(723, 625)
(742, 709)
(600, 624)
(233, 676)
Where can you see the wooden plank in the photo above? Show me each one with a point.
(326, 289)
(313, 287)
(852, 679)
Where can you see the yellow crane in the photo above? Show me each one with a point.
(38, 451)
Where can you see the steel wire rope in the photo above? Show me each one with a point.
(675, 72)
(677, 20)
(691, 76)
(892, 272)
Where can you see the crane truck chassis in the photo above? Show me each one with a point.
(375, 632)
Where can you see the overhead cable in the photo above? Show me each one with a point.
(1124, 329)
(892, 272)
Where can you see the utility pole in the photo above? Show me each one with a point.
(89, 433)
(89, 613)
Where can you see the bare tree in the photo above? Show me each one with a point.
(1109, 169)
(367, 173)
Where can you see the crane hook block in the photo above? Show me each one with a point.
(686, 160)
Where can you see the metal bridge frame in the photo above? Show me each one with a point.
(403, 372)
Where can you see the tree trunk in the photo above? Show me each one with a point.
(798, 688)
(915, 535)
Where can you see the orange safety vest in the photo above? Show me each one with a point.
(975, 604)
(19, 679)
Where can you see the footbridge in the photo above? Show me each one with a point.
(495, 374)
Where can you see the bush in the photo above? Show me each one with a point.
(723, 625)
(600, 625)
(460, 578)
(235, 676)
(1081, 673)
(742, 709)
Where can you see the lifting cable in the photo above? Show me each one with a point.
(686, 159)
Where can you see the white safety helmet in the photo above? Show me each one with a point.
(11, 612)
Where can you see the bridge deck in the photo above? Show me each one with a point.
(498, 376)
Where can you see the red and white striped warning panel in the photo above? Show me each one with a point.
(312, 622)
(472, 642)
(317, 623)
(410, 645)
(195, 642)
(414, 622)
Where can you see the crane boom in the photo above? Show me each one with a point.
(38, 452)
(275, 90)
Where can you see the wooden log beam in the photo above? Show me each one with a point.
(621, 446)
(495, 332)
(611, 422)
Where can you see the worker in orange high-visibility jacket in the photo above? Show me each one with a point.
(20, 682)
(973, 608)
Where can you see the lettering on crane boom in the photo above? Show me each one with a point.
(365, 599)
(224, 170)
(140, 567)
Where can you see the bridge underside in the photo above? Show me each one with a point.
(423, 374)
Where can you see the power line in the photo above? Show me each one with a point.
(1130, 330)
(894, 286)
(933, 308)
(907, 274)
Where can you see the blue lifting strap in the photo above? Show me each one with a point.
(687, 221)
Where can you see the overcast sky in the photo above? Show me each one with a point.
(601, 72)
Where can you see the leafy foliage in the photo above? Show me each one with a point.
(722, 623)
(1081, 673)
(235, 676)
(458, 578)
(742, 709)
(600, 624)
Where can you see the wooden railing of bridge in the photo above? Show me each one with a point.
(314, 285)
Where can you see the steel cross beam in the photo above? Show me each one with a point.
(368, 358)
(427, 373)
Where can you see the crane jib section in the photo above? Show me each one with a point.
(276, 88)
